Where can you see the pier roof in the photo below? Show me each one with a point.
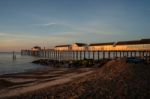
(145, 41)
(142, 41)
(36, 47)
(128, 42)
(100, 44)
(62, 45)
(80, 44)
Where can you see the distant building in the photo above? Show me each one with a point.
(79, 46)
(62, 47)
(36, 48)
(101, 46)
(142, 44)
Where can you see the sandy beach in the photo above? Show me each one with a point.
(115, 79)
(20, 83)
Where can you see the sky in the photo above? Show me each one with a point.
(26, 23)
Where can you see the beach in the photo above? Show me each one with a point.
(116, 79)
(20, 83)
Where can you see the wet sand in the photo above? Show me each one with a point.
(20, 83)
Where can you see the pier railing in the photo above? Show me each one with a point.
(87, 54)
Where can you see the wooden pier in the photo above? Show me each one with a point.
(87, 54)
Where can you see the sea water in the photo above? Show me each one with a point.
(19, 64)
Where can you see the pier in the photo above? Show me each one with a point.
(87, 54)
(95, 51)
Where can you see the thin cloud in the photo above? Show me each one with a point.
(101, 29)
(3, 34)
(18, 35)
(45, 24)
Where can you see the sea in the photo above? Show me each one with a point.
(21, 64)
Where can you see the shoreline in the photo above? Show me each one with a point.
(79, 82)
(38, 79)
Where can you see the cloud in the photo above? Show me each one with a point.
(45, 24)
(100, 28)
(3, 34)
(18, 35)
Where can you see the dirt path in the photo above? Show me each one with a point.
(65, 78)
